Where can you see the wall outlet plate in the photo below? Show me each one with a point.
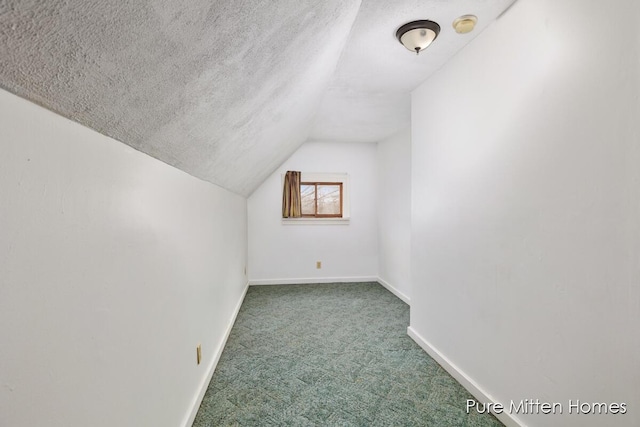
(318, 264)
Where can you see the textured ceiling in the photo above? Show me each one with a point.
(226, 90)
(370, 93)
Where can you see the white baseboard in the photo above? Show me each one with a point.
(472, 387)
(212, 367)
(308, 280)
(394, 291)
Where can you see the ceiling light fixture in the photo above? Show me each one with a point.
(418, 35)
(465, 24)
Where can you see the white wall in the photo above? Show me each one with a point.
(114, 267)
(394, 212)
(526, 207)
(285, 253)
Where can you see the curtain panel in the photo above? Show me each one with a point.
(291, 200)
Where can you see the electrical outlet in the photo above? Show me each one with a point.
(318, 264)
(199, 353)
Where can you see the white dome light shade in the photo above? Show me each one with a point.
(418, 35)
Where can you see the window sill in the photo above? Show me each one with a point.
(315, 221)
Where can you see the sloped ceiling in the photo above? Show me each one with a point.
(226, 90)
(369, 97)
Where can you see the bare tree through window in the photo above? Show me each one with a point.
(321, 199)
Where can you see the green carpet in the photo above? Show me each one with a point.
(330, 355)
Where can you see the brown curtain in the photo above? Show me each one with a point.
(291, 201)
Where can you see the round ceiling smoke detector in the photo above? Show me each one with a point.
(465, 24)
(418, 35)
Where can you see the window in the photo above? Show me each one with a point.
(321, 199)
(323, 208)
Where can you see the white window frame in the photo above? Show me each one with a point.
(323, 177)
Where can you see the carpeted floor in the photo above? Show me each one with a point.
(329, 354)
